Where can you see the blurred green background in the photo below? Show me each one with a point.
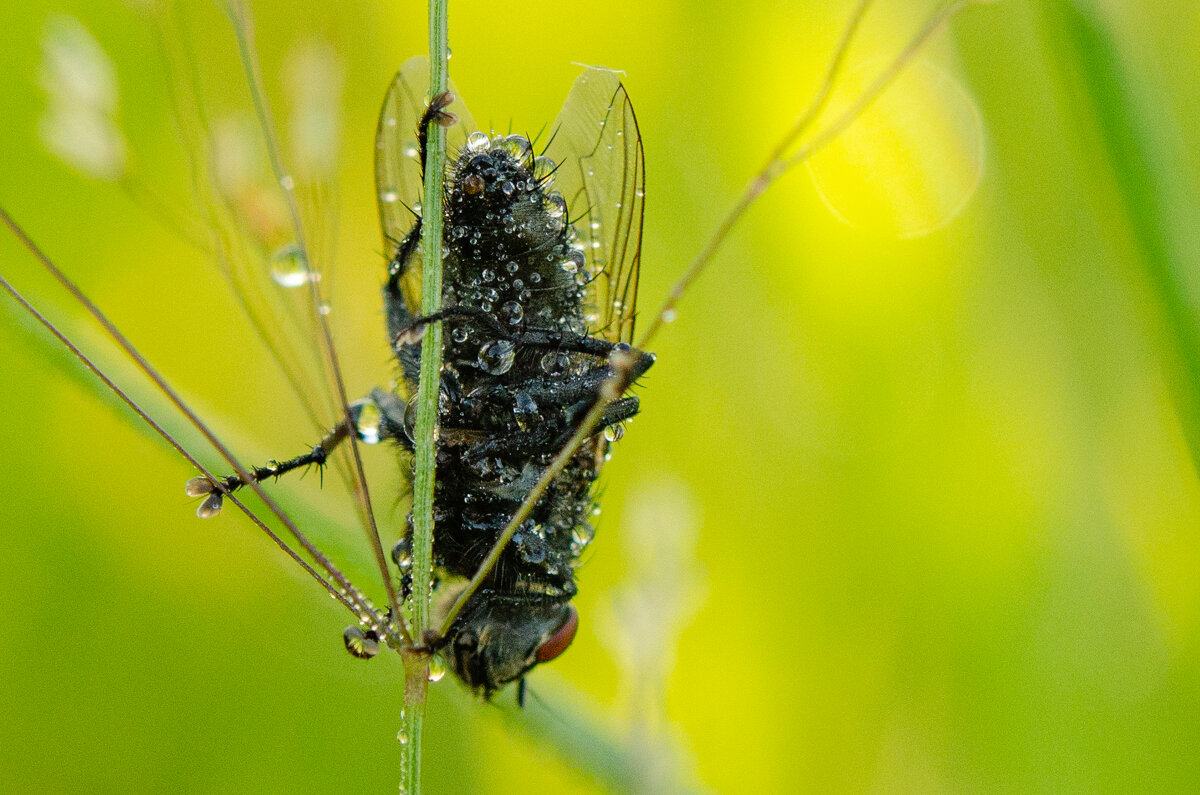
(912, 504)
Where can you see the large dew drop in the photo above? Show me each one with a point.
(478, 141)
(908, 165)
(289, 267)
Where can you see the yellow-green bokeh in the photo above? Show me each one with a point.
(945, 523)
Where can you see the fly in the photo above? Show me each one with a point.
(541, 258)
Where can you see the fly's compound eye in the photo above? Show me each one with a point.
(561, 638)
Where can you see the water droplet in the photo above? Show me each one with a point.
(478, 141)
(437, 668)
(507, 188)
(512, 312)
(575, 261)
(543, 170)
(518, 148)
(411, 149)
(286, 182)
(496, 357)
(511, 266)
(369, 421)
(289, 267)
(613, 433)
(460, 334)
(668, 316)
(410, 419)
(211, 505)
(363, 645)
(555, 363)
(389, 197)
(488, 275)
(402, 737)
(198, 486)
(554, 205)
(324, 308)
(402, 553)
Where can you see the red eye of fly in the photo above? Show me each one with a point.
(561, 639)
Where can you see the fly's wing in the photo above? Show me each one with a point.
(398, 177)
(601, 173)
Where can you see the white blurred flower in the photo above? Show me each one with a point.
(314, 77)
(663, 590)
(79, 124)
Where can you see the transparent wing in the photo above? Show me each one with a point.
(398, 158)
(601, 173)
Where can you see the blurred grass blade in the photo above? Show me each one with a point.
(1137, 142)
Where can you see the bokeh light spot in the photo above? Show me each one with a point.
(910, 164)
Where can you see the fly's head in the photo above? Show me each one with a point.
(498, 641)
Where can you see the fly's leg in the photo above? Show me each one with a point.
(410, 331)
(377, 417)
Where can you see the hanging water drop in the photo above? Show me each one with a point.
(437, 668)
(368, 421)
(402, 553)
(289, 267)
(363, 645)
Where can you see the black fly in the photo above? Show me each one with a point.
(540, 282)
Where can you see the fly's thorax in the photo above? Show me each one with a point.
(510, 249)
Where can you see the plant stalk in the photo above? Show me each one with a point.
(416, 664)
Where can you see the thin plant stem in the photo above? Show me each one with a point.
(416, 665)
(358, 602)
(74, 350)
